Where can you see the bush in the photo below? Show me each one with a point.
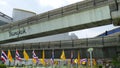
(116, 62)
(100, 66)
(2, 66)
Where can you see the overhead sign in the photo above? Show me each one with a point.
(18, 32)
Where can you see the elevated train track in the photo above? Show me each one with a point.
(81, 15)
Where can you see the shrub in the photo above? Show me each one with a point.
(116, 62)
(2, 66)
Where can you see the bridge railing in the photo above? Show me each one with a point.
(109, 41)
(93, 42)
(56, 13)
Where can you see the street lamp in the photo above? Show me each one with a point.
(90, 51)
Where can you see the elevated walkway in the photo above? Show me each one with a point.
(104, 47)
(81, 15)
(107, 41)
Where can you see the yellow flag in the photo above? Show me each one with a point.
(63, 55)
(34, 60)
(42, 61)
(10, 56)
(76, 61)
(26, 57)
(89, 62)
(43, 58)
(78, 58)
(94, 62)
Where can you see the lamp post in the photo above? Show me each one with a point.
(90, 51)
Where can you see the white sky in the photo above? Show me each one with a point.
(37, 6)
(40, 6)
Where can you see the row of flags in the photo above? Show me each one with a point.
(4, 57)
(35, 58)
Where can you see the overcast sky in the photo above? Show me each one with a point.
(37, 6)
(40, 6)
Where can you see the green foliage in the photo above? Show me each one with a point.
(2, 66)
(99, 66)
(116, 61)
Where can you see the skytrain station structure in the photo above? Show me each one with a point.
(81, 15)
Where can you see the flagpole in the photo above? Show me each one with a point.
(70, 65)
(71, 59)
(53, 58)
(9, 63)
(63, 57)
(25, 63)
(76, 65)
(26, 56)
(15, 58)
(24, 59)
(78, 59)
(8, 58)
(33, 59)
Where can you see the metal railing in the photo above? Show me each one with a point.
(5, 16)
(108, 41)
(56, 13)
